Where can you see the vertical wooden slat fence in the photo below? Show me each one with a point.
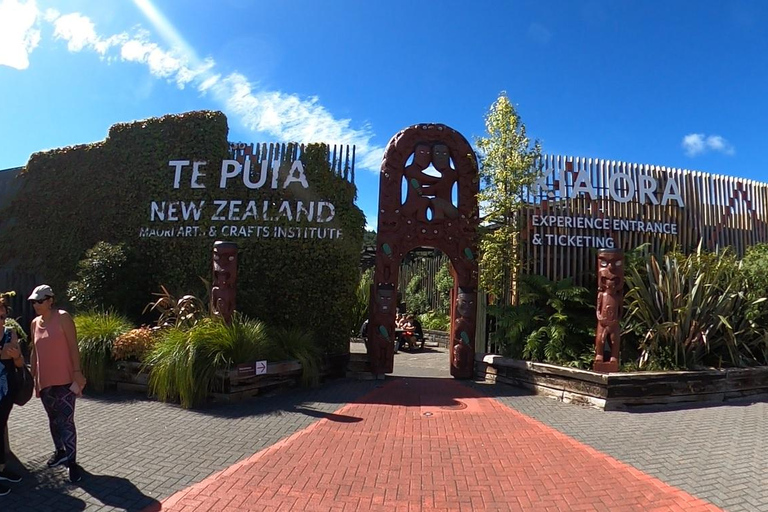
(718, 212)
(341, 158)
(427, 266)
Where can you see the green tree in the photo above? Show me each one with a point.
(508, 169)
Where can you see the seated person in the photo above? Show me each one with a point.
(399, 322)
(412, 332)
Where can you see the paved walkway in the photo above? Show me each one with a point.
(429, 444)
(444, 444)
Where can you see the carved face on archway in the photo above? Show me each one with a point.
(465, 303)
(441, 158)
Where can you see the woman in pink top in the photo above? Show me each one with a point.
(58, 379)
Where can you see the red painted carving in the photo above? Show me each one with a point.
(428, 216)
(610, 297)
(224, 286)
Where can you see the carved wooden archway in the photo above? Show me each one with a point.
(428, 216)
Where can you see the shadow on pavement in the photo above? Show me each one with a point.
(41, 486)
(115, 491)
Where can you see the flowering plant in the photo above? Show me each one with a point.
(133, 345)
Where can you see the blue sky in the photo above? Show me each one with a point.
(680, 84)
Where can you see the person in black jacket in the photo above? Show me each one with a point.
(10, 359)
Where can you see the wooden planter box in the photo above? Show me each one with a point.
(127, 376)
(622, 391)
(244, 382)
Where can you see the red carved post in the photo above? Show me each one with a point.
(429, 160)
(224, 286)
(610, 298)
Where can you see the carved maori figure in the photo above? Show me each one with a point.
(428, 216)
(224, 285)
(610, 297)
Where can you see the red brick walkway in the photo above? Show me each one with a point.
(430, 444)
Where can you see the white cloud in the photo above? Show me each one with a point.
(291, 118)
(699, 143)
(19, 34)
(286, 117)
(77, 30)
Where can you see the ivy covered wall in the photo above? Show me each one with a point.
(69, 199)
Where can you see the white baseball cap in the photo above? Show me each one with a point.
(41, 292)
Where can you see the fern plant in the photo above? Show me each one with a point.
(553, 322)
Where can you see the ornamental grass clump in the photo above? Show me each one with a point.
(134, 345)
(96, 332)
(184, 362)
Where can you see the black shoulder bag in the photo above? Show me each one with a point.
(22, 385)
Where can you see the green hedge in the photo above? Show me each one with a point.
(71, 198)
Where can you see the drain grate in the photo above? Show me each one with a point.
(459, 406)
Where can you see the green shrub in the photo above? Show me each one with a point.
(106, 279)
(96, 333)
(435, 320)
(695, 311)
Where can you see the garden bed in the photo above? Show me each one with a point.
(623, 391)
(236, 384)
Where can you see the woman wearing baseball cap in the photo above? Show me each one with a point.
(58, 379)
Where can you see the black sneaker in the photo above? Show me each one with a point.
(75, 473)
(9, 476)
(57, 459)
(4, 490)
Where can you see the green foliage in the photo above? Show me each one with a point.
(553, 322)
(694, 311)
(369, 238)
(416, 295)
(96, 332)
(508, 168)
(363, 295)
(171, 377)
(106, 279)
(444, 285)
(299, 344)
(102, 192)
(15, 326)
(184, 362)
(755, 268)
(435, 321)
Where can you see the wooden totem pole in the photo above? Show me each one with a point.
(610, 298)
(224, 286)
(428, 160)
